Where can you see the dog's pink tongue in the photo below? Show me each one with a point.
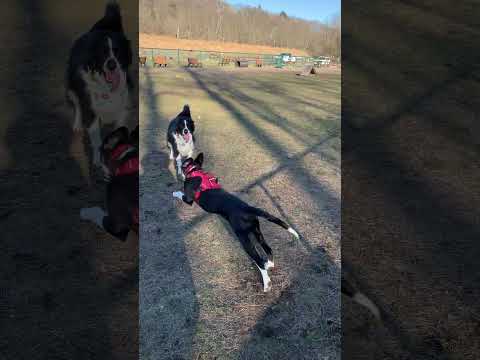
(113, 77)
(186, 137)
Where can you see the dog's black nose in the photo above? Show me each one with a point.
(185, 131)
(111, 64)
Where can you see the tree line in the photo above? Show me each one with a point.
(219, 21)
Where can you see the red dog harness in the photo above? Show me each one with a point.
(209, 181)
(128, 167)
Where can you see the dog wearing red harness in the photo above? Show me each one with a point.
(204, 189)
(119, 153)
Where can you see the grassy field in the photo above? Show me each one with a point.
(273, 138)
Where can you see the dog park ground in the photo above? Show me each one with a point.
(273, 138)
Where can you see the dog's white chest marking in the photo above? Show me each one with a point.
(107, 104)
(184, 148)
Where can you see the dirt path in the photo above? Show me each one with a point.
(273, 138)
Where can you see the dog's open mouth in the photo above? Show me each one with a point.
(112, 77)
(187, 137)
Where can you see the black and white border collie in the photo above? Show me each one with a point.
(98, 84)
(180, 138)
(203, 188)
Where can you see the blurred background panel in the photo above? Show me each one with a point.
(67, 290)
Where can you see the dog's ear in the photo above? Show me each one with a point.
(185, 111)
(118, 136)
(199, 159)
(134, 138)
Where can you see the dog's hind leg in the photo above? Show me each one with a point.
(95, 140)
(248, 241)
(267, 283)
(268, 250)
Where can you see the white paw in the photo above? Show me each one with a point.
(269, 265)
(268, 286)
(107, 175)
(94, 214)
(178, 194)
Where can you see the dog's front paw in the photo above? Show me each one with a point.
(77, 127)
(107, 175)
(269, 265)
(267, 286)
(94, 214)
(178, 194)
(96, 159)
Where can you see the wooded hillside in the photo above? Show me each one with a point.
(219, 21)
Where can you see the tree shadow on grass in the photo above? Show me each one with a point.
(168, 303)
(421, 266)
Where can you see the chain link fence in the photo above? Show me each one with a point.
(179, 57)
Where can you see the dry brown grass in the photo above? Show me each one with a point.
(273, 139)
(168, 42)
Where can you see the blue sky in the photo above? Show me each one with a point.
(305, 9)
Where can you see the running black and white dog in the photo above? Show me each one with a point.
(120, 155)
(98, 84)
(203, 188)
(180, 138)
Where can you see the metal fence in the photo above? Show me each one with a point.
(179, 57)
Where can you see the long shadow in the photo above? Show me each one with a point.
(54, 306)
(267, 112)
(441, 239)
(304, 322)
(168, 303)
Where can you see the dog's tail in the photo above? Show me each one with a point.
(112, 19)
(360, 298)
(274, 219)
